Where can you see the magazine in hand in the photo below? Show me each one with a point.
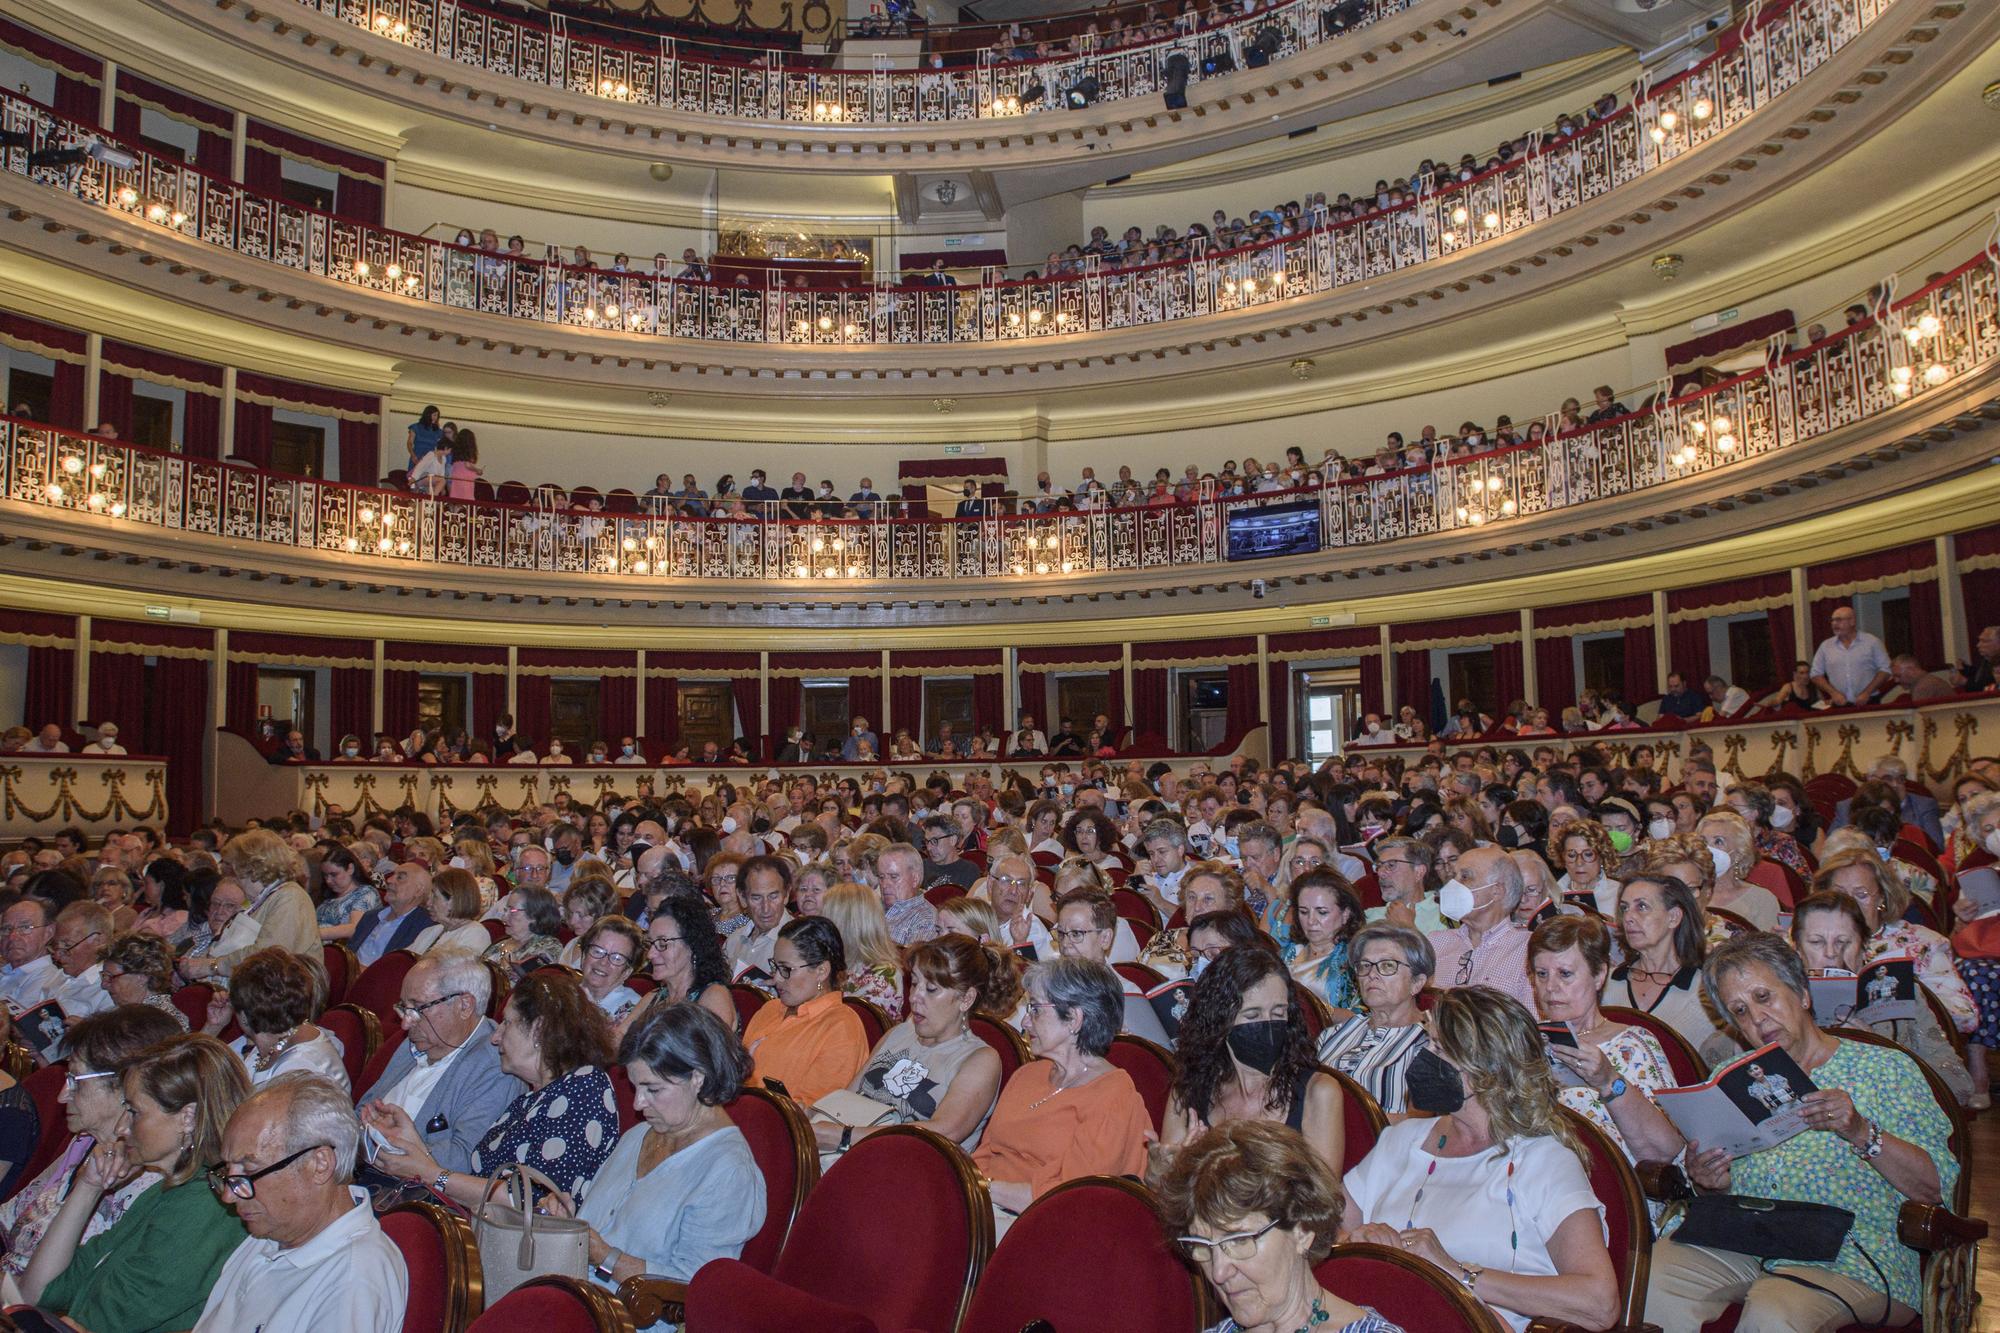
(1883, 992)
(42, 1028)
(1750, 1104)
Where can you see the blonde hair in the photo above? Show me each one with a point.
(261, 859)
(1735, 830)
(1493, 1038)
(1892, 896)
(1682, 848)
(856, 912)
(977, 914)
(1077, 873)
(477, 855)
(1004, 840)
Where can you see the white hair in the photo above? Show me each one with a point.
(314, 1110)
(461, 970)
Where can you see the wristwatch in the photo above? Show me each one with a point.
(603, 1270)
(1619, 1087)
(846, 1137)
(442, 1178)
(1468, 1275)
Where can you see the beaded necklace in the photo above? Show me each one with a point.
(1513, 1226)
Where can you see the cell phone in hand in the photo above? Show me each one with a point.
(1558, 1034)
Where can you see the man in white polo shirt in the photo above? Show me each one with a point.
(1851, 667)
(316, 1258)
(28, 976)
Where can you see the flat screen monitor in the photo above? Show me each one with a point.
(1285, 529)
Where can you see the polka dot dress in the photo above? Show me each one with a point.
(1982, 978)
(565, 1131)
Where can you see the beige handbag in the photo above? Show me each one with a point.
(517, 1243)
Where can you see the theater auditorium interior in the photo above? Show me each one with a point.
(903, 666)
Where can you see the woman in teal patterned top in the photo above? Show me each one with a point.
(1324, 916)
(1876, 1137)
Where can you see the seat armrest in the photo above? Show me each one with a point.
(1930, 1226)
(653, 1299)
(1561, 1326)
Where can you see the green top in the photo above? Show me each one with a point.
(1819, 1167)
(153, 1269)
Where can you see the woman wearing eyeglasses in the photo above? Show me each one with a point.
(531, 917)
(555, 1040)
(94, 1106)
(1392, 965)
(1255, 1209)
(806, 1038)
(684, 957)
(611, 949)
(153, 1269)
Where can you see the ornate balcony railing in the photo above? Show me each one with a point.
(1559, 175)
(772, 86)
(1915, 347)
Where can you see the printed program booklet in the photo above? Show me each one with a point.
(1750, 1104)
(1883, 991)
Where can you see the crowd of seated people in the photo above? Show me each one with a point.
(1492, 945)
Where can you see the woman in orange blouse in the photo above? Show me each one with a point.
(1071, 1113)
(807, 1038)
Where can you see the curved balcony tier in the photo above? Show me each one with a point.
(1906, 385)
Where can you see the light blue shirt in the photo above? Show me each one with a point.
(377, 943)
(704, 1202)
(1848, 667)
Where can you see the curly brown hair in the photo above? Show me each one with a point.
(1245, 1168)
(1203, 1061)
(272, 991)
(146, 956)
(571, 1031)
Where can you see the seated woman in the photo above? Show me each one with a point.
(153, 1268)
(1208, 886)
(971, 917)
(1072, 1112)
(347, 895)
(271, 996)
(1883, 900)
(1733, 849)
(1875, 1138)
(139, 969)
(1392, 965)
(1618, 1068)
(612, 948)
(1255, 1209)
(112, 889)
(1325, 915)
(583, 903)
(1495, 1191)
(1588, 859)
(532, 917)
(1659, 922)
(164, 906)
(455, 909)
(806, 1038)
(1830, 930)
(555, 1040)
(687, 961)
(681, 1187)
(1091, 835)
(930, 1069)
(1244, 1053)
(874, 963)
(94, 1107)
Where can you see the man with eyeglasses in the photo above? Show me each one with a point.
(1010, 887)
(943, 840)
(402, 917)
(764, 883)
(28, 975)
(1486, 948)
(1086, 926)
(315, 1258)
(1403, 869)
(447, 1073)
(83, 932)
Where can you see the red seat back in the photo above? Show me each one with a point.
(44, 1088)
(782, 1143)
(1132, 1268)
(192, 1000)
(1686, 1062)
(1145, 978)
(1009, 1045)
(371, 1073)
(443, 1263)
(359, 1034)
(1134, 906)
(555, 1305)
(495, 930)
(1361, 1120)
(341, 969)
(1368, 890)
(874, 1022)
(622, 1092)
(840, 1251)
(1151, 1068)
(380, 984)
(940, 894)
(1630, 1240)
(1407, 1291)
(1142, 931)
(748, 1001)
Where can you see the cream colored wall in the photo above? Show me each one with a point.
(438, 214)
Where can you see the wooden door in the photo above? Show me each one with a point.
(1081, 698)
(945, 701)
(826, 717)
(441, 702)
(573, 714)
(708, 710)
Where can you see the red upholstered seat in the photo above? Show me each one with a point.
(495, 930)
(940, 894)
(1152, 1069)
(842, 1268)
(1134, 906)
(1009, 1045)
(192, 1000)
(874, 1022)
(1368, 890)
(1770, 876)
(1142, 931)
(555, 1305)
(359, 1033)
(748, 1001)
(1314, 1009)
(787, 1156)
(1362, 1121)
(443, 1263)
(1132, 1268)
(371, 1073)
(380, 984)
(1145, 978)
(1686, 1062)
(341, 969)
(1630, 1240)
(44, 1088)
(623, 1093)
(1406, 1290)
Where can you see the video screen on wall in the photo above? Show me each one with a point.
(1287, 529)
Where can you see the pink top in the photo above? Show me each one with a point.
(463, 475)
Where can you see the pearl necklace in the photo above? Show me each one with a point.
(261, 1061)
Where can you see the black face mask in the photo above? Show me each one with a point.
(1509, 836)
(1430, 1084)
(565, 855)
(1259, 1044)
(638, 849)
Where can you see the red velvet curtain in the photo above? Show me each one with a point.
(201, 426)
(1687, 650)
(1509, 675)
(399, 701)
(352, 705)
(358, 198)
(50, 689)
(360, 452)
(1778, 624)
(1555, 672)
(179, 732)
(1281, 710)
(242, 705)
(114, 402)
(1413, 684)
(617, 708)
(744, 686)
(906, 705)
(1242, 712)
(76, 99)
(1927, 624)
(1031, 696)
(118, 690)
(1149, 704)
(263, 170)
(864, 696)
(663, 715)
(531, 710)
(787, 706)
(66, 397)
(988, 700)
(212, 153)
(489, 701)
(1641, 679)
(253, 434)
(1371, 684)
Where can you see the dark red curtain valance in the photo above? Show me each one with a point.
(37, 622)
(1755, 588)
(1979, 541)
(579, 659)
(1875, 565)
(38, 333)
(143, 361)
(949, 657)
(1459, 627)
(1110, 654)
(48, 51)
(151, 634)
(1332, 642)
(833, 664)
(312, 150)
(469, 654)
(1587, 613)
(299, 645)
(700, 663)
(1193, 648)
(174, 103)
(307, 397)
(1729, 338)
(976, 468)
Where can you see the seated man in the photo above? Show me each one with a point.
(315, 1258)
(1086, 927)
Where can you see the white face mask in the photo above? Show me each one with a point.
(728, 825)
(1721, 859)
(1781, 817)
(1456, 901)
(1660, 828)
(1991, 842)
(458, 863)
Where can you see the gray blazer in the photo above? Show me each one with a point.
(465, 1102)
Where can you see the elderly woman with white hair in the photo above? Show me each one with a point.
(1732, 846)
(273, 875)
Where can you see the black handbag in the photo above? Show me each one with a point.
(1766, 1228)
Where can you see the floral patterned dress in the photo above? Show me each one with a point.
(27, 1215)
(1641, 1061)
(1936, 967)
(880, 984)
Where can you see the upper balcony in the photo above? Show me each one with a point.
(1889, 388)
